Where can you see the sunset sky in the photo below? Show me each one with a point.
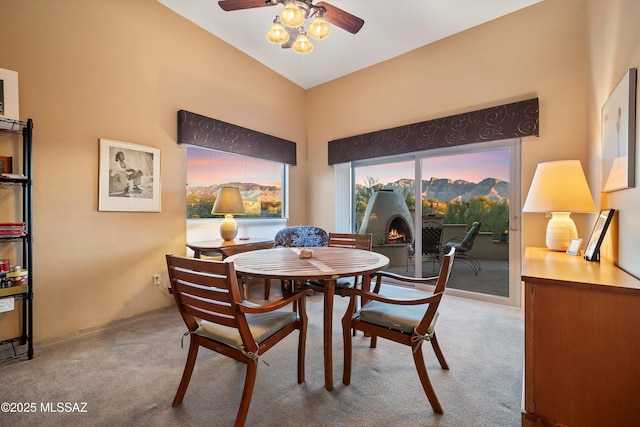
(473, 167)
(206, 167)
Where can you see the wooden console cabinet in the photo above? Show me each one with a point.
(582, 342)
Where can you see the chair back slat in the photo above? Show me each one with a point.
(207, 290)
(353, 241)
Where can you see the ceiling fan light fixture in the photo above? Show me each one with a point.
(291, 15)
(302, 45)
(319, 29)
(277, 34)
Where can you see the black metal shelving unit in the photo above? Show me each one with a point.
(22, 345)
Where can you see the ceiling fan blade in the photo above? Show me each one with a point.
(341, 18)
(229, 5)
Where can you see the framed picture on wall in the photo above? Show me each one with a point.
(618, 135)
(129, 177)
(8, 97)
(592, 251)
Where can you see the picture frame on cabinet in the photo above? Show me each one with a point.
(618, 135)
(592, 250)
(129, 177)
(574, 247)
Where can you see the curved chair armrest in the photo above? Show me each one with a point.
(377, 297)
(275, 305)
(400, 278)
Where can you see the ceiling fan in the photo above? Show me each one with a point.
(295, 12)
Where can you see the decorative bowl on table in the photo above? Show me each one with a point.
(306, 253)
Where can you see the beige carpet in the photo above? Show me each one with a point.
(127, 375)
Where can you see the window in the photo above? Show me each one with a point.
(261, 183)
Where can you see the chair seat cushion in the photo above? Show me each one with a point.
(262, 326)
(397, 317)
(341, 283)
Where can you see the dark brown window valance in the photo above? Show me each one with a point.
(206, 132)
(491, 124)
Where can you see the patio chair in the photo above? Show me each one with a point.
(207, 295)
(464, 245)
(401, 314)
(246, 281)
(431, 244)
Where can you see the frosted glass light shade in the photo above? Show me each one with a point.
(559, 187)
(302, 45)
(291, 15)
(277, 34)
(319, 29)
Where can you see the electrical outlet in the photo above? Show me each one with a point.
(156, 280)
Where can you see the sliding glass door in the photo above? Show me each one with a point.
(457, 188)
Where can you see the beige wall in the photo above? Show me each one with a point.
(536, 52)
(613, 47)
(121, 70)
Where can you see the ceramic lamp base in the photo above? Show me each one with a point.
(228, 228)
(560, 230)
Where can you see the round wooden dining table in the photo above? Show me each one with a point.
(326, 263)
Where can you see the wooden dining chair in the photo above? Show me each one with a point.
(246, 281)
(208, 297)
(344, 240)
(401, 314)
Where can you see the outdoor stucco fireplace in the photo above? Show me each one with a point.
(388, 219)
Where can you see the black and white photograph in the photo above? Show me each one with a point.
(129, 177)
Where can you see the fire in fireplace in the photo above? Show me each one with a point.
(388, 219)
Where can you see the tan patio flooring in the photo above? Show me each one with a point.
(492, 279)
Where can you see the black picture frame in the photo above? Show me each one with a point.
(592, 250)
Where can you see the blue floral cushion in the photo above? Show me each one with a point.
(301, 236)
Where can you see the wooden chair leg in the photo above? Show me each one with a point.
(302, 337)
(374, 341)
(347, 346)
(267, 288)
(438, 352)
(247, 392)
(188, 370)
(426, 383)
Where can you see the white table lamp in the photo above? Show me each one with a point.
(229, 203)
(559, 187)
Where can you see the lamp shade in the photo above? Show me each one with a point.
(228, 203)
(302, 45)
(291, 15)
(277, 34)
(559, 187)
